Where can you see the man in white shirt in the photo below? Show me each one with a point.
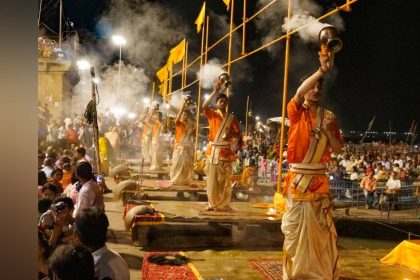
(90, 194)
(91, 226)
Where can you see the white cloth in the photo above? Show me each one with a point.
(393, 184)
(90, 195)
(156, 155)
(219, 189)
(182, 168)
(109, 263)
(47, 170)
(145, 148)
(310, 240)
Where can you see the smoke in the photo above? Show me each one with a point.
(150, 29)
(210, 72)
(303, 12)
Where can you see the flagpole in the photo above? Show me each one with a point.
(230, 42)
(207, 39)
(244, 29)
(183, 68)
(197, 123)
(186, 65)
(283, 111)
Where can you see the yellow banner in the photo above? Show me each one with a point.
(177, 53)
(200, 19)
(162, 74)
(227, 3)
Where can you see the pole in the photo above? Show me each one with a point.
(243, 28)
(95, 122)
(246, 116)
(230, 42)
(197, 121)
(119, 74)
(186, 65)
(60, 23)
(207, 39)
(283, 111)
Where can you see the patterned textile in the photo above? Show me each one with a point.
(151, 271)
(270, 269)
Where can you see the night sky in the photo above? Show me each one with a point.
(376, 72)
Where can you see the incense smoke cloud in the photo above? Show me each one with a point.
(150, 29)
(210, 72)
(303, 12)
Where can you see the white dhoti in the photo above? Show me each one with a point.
(156, 156)
(145, 149)
(182, 168)
(219, 189)
(310, 244)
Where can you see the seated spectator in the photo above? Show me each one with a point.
(90, 194)
(42, 180)
(368, 184)
(50, 191)
(71, 262)
(382, 174)
(67, 174)
(392, 190)
(43, 206)
(404, 174)
(48, 167)
(57, 222)
(80, 155)
(354, 176)
(91, 229)
(55, 179)
(336, 173)
(44, 251)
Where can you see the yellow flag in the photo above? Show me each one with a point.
(162, 74)
(162, 88)
(177, 53)
(227, 3)
(200, 19)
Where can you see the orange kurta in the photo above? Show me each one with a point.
(302, 121)
(215, 119)
(179, 131)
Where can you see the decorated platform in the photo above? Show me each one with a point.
(188, 222)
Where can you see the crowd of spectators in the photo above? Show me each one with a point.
(72, 224)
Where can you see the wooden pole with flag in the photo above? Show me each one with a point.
(368, 129)
(207, 39)
(186, 65)
(201, 17)
(230, 39)
(197, 124)
(279, 200)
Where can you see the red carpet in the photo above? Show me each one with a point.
(152, 271)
